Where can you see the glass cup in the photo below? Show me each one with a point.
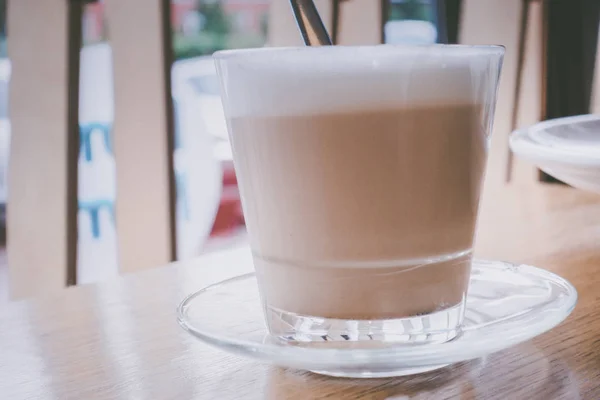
(360, 171)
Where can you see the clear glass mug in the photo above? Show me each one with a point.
(360, 171)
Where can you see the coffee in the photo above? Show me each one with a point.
(360, 170)
(362, 214)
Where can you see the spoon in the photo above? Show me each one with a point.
(310, 24)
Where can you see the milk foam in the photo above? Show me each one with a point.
(318, 80)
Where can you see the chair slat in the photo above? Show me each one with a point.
(44, 43)
(497, 22)
(140, 37)
(360, 22)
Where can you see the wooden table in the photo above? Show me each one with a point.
(120, 340)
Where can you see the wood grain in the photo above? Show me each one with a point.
(120, 340)
(42, 222)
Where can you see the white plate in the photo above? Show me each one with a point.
(579, 134)
(566, 148)
(506, 305)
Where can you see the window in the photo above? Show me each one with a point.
(411, 22)
(205, 26)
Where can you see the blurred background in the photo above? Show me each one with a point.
(551, 53)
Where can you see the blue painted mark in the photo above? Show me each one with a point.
(93, 208)
(85, 134)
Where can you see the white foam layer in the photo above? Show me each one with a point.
(298, 81)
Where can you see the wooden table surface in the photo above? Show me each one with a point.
(120, 339)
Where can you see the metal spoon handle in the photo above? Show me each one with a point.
(310, 24)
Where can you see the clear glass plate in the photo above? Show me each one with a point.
(507, 304)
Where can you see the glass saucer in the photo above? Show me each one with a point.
(507, 304)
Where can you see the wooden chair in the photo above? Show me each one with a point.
(44, 44)
(44, 49)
